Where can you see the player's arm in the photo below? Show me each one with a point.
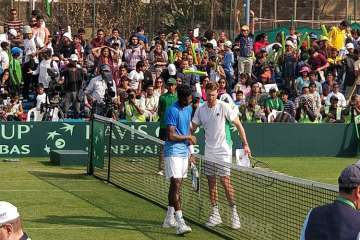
(242, 134)
(173, 136)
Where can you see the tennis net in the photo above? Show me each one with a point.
(270, 205)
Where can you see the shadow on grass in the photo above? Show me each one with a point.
(146, 227)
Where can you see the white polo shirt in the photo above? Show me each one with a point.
(215, 120)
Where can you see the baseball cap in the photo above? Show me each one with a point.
(68, 35)
(350, 176)
(105, 68)
(8, 212)
(171, 81)
(13, 32)
(172, 69)
(16, 51)
(228, 44)
(27, 29)
(74, 58)
(349, 46)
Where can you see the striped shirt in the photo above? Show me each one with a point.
(289, 107)
(16, 24)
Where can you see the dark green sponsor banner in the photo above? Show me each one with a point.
(37, 139)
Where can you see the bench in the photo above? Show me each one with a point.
(69, 157)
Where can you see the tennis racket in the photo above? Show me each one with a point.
(195, 180)
(255, 163)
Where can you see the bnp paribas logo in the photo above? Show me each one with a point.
(56, 140)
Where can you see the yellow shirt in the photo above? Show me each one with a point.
(337, 38)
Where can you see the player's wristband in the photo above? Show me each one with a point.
(191, 149)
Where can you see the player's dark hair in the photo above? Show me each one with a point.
(183, 91)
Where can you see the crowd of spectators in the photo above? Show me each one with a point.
(297, 78)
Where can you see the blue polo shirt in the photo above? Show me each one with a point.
(180, 118)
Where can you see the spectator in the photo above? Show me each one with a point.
(261, 41)
(290, 59)
(13, 22)
(158, 59)
(252, 112)
(140, 33)
(135, 108)
(289, 106)
(115, 38)
(15, 109)
(339, 220)
(42, 32)
(318, 62)
(214, 70)
(42, 69)
(151, 104)
(336, 92)
(5, 82)
(305, 108)
(246, 41)
(316, 98)
(134, 53)
(41, 96)
(302, 80)
(187, 79)
(273, 102)
(15, 70)
(4, 57)
(348, 64)
(72, 78)
(228, 62)
(159, 87)
(10, 222)
(67, 47)
(337, 35)
(333, 113)
(137, 76)
(239, 98)
(204, 80)
(355, 108)
(99, 41)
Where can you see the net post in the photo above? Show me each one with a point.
(90, 166)
(109, 153)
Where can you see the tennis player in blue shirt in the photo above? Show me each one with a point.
(176, 155)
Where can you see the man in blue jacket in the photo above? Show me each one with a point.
(339, 220)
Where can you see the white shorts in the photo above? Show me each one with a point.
(213, 165)
(176, 167)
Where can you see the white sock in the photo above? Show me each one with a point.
(178, 216)
(170, 211)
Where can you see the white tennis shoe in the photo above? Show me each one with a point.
(214, 219)
(235, 220)
(182, 228)
(169, 222)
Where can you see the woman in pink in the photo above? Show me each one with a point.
(261, 41)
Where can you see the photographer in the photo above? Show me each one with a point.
(135, 107)
(72, 78)
(101, 92)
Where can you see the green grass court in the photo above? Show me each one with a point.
(63, 203)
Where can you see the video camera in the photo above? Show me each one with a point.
(106, 108)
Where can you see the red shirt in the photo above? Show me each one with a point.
(259, 45)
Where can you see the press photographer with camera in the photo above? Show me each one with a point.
(135, 107)
(100, 93)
